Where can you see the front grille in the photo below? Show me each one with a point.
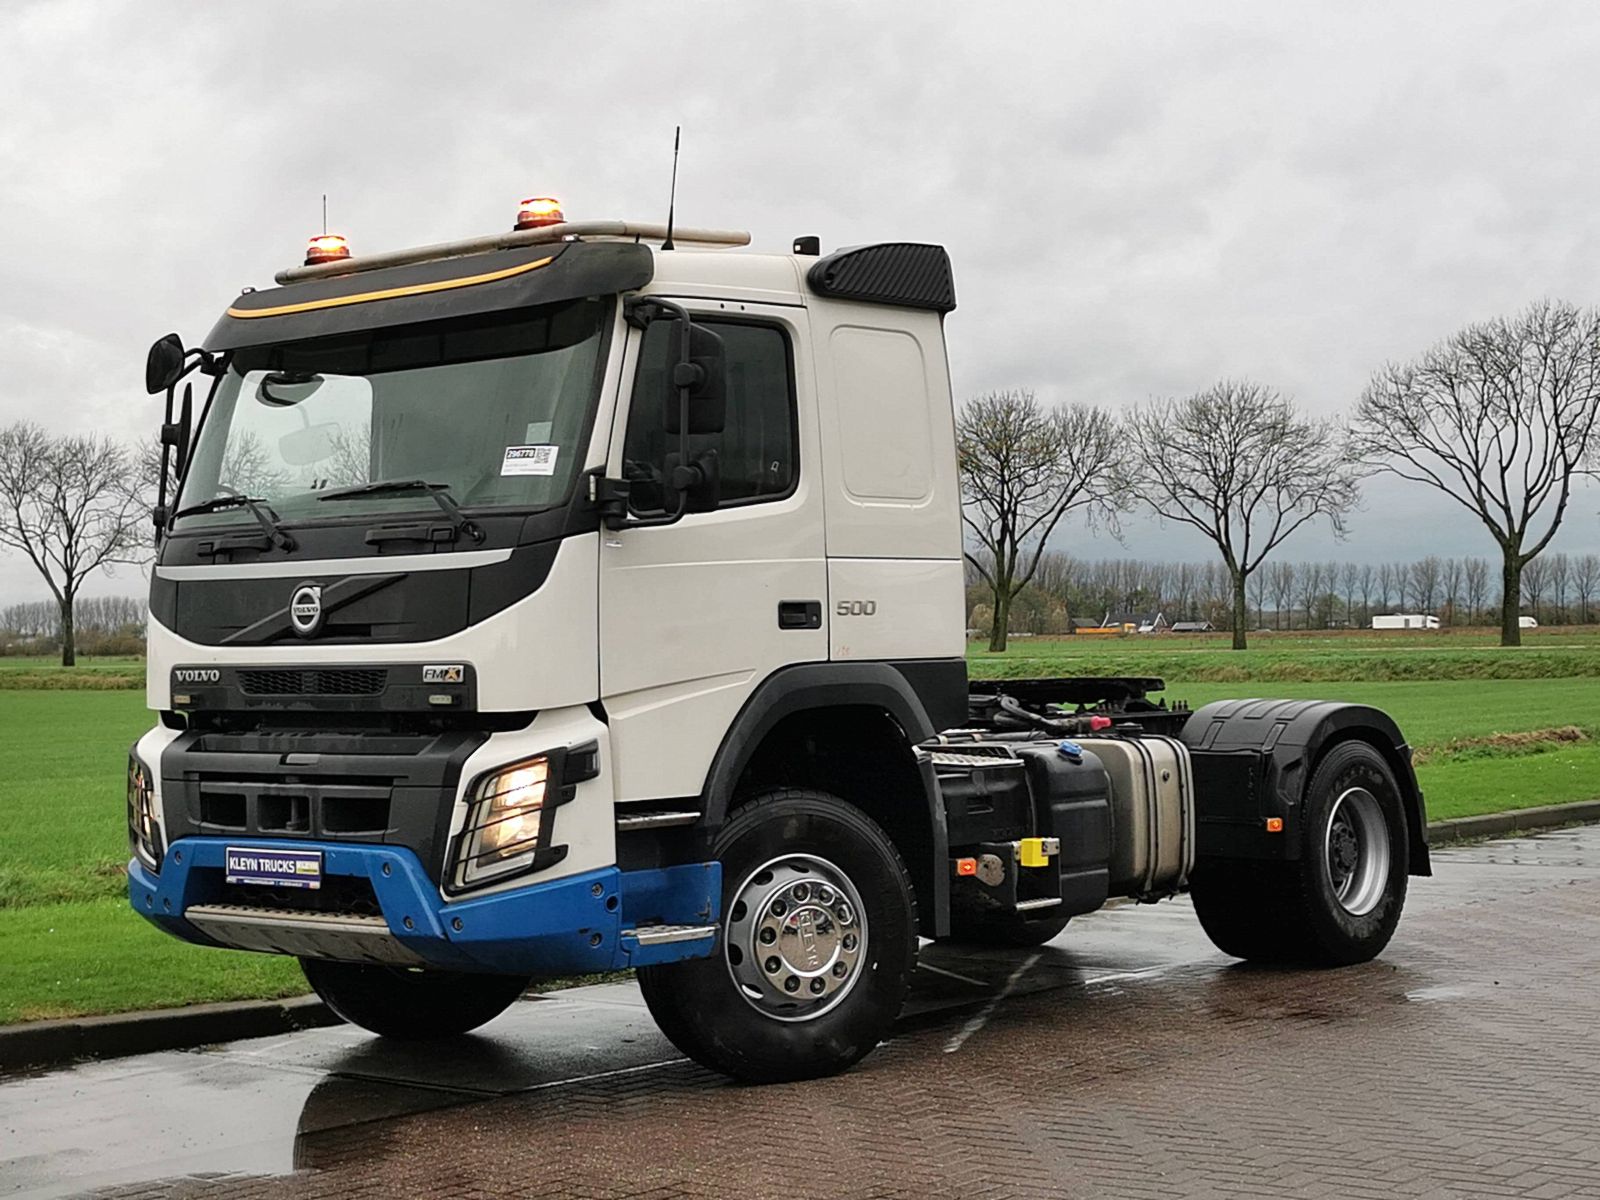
(342, 895)
(319, 681)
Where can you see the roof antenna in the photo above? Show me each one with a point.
(324, 214)
(672, 199)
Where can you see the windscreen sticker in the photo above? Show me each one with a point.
(538, 431)
(529, 460)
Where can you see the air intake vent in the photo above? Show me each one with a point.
(337, 681)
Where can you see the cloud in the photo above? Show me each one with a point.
(1139, 198)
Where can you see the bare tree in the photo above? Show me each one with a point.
(1311, 588)
(1349, 584)
(1560, 580)
(1240, 465)
(1024, 468)
(1450, 583)
(1367, 582)
(1585, 582)
(1258, 597)
(72, 506)
(1425, 584)
(1282, 577)
(1502, 418)
(1477, 585)
(1535, 581)
(1386, 582)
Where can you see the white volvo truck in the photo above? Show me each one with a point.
(590, 597)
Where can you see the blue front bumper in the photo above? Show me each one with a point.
(567, 926)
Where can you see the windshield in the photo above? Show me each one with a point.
(493, 407)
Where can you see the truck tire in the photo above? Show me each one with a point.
(1011, 929)
(1340, 901)
(411, 1004)
(816, 950)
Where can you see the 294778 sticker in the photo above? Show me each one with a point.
(529, 460)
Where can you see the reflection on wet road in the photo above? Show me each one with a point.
(1125, 1058)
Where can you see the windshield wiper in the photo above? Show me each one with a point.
(259, 509)
(394, 487)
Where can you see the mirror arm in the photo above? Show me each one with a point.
(158, 517)
(635, 312)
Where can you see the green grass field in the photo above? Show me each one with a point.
(69, 943)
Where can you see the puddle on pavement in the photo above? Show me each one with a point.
(1436, 993)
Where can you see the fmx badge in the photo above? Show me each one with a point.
(305, 609)
(448, 673)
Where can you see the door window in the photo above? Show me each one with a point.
(756, 448)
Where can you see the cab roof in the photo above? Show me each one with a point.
(566, 262)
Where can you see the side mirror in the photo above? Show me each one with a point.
(705, 375)
(163, 366)
(695, 486)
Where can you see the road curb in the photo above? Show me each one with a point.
(54, 1043)
(1518, 820)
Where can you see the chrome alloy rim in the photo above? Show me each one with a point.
(1357, 841)
(796, 937)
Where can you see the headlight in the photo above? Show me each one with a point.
(144, 831)
(508, 824)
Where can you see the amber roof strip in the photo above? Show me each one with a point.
(416, 289)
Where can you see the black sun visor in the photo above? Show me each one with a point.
(430, 291)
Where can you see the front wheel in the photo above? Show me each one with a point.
(817, 947)
(411, 1004)
(1340, 901)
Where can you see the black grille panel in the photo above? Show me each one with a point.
(319, 681)
(344, 895)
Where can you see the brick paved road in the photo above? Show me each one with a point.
(1129, 1061)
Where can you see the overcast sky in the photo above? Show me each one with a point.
(1138, 198)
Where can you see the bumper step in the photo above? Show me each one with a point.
(661, 935)
(291, 931)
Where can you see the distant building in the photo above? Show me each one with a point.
(1193, 627)
(1150, 622)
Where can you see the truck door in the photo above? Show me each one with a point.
(694, 615)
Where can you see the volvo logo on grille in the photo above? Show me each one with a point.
(195, 675)
(305, 609)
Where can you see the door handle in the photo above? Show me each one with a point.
(800, 614)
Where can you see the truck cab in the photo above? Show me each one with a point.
(590, 597)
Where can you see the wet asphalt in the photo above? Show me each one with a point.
(1127, 1058)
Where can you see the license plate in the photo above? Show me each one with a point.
(274, 868)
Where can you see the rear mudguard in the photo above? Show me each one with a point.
(1253, 760)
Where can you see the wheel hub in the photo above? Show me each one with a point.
(795, 937)
(1357, 848)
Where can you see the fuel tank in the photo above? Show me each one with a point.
(1152, 813)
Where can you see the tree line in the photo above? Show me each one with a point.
(1557, 589)
(1502, 417)
(101, 625)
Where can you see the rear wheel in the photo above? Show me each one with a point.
(411, 1004)
(1340, 901)
(817, 946)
